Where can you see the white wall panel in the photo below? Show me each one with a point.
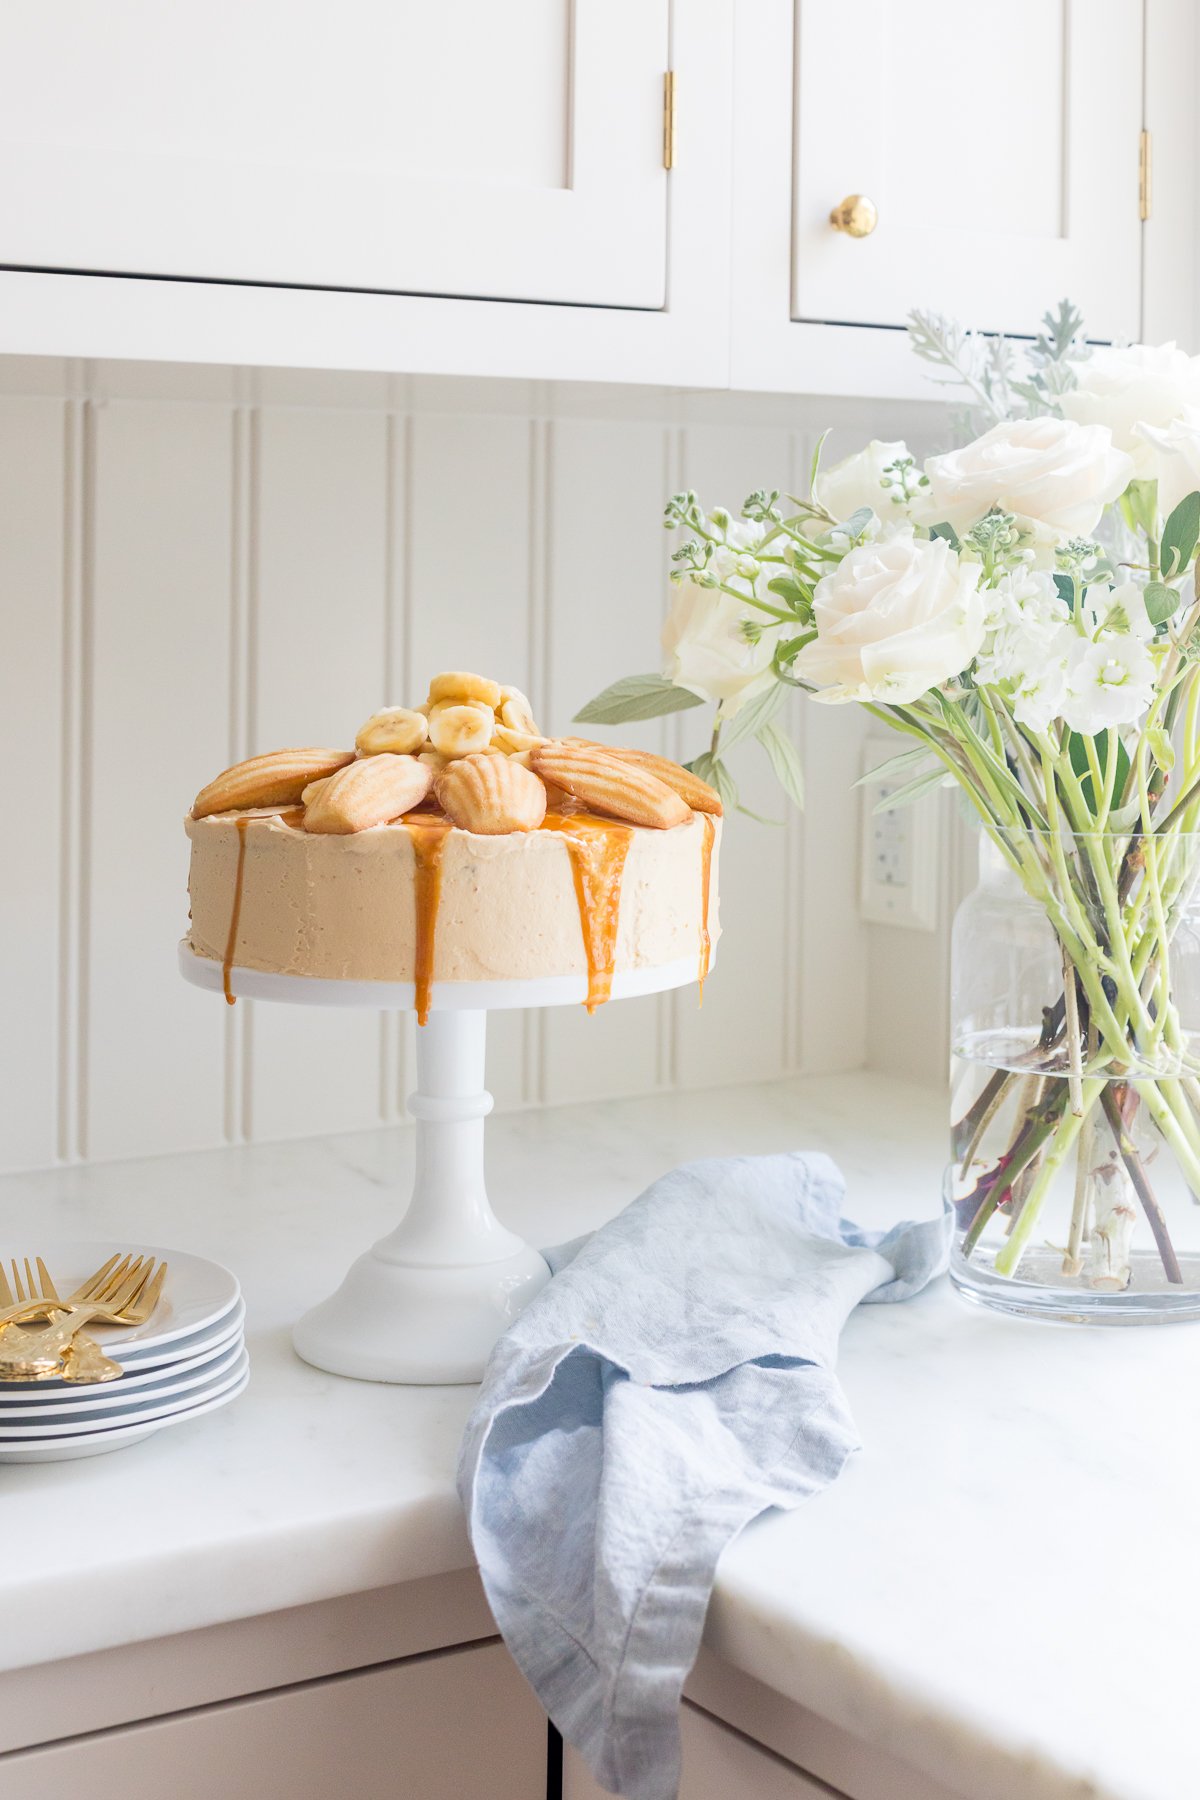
(830, 975)
(741, 1031)
(195, 569)
(603, 620)
(156, 550)
(33, 469)
(318, 639)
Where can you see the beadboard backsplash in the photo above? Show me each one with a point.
(199, 563)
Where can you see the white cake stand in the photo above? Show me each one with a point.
(426, 1303)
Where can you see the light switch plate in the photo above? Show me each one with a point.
(899, 883)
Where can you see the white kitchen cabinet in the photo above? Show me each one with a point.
(718, 1764)
(460, 189)
(469, 189)
(506, 151)
(457, 1726)
(998, 141)
(999, 145)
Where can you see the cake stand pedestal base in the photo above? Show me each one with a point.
(427, 1303)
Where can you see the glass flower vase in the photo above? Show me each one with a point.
(1075, 1081)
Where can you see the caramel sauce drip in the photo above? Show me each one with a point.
(428, 833)
(706, 850)
(597, 849)
(293, 816)
(236, 914)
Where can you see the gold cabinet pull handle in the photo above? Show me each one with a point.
(856, 215)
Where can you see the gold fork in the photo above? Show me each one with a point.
(27, 1300)
(83, 1360)
(126, 1295)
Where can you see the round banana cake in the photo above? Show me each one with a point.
(455, 843)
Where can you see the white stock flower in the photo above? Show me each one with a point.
(1037, 694)
(1057, 475)
(1110, 681)
(739, 538)
(1140, 384)
(1175, 453)
(1028, 645)
(894, 619)
(1023, 609)
(1092, 671)
(1120, 609)
(706, 650)
(857, 481)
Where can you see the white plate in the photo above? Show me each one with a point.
(156, 1365)
(139, 1414)
(197, 1292)
(98, 1443)
(84, 1405)
(164, 1356)
(447, 996)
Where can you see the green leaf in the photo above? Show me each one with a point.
(1139, 506)
(749, 721)
(636, 697)
(816, 462)
(1066, 589)
(1161, 601)
(1180, 534)
(1161, 748)
(945, 531)
(710, 768)
(785, 760)
(913, 790)
(789, 589)
(897, 765)
(858, 521)
(1077, 750)
(788, 649)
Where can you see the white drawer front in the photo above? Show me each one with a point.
(459, 1726)
(718, 1764)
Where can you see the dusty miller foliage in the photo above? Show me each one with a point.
(1004, 377)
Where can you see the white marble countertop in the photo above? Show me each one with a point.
(1000, 1590)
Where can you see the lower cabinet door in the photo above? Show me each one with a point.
(457, 1726)
(718, 1764)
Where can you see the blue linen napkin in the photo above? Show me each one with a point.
(671, 1382)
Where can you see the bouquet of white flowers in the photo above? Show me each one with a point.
(1022, 610)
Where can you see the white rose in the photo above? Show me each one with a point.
(707, 652)
(894, 619)
(1139, 385)
(858, 482)
(1174, 451)
(1053, 473)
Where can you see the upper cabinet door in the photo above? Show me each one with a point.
(509, 150)
(998, 142)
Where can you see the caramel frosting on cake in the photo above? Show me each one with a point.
(515, 859)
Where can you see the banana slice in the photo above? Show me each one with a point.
(313, 791)
(394, 731)
(461, 730)
(514, 742)
(462, 688)
(516, 712)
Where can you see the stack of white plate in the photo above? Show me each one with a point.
(185, 1361)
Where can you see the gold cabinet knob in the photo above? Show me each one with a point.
(856, 215)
